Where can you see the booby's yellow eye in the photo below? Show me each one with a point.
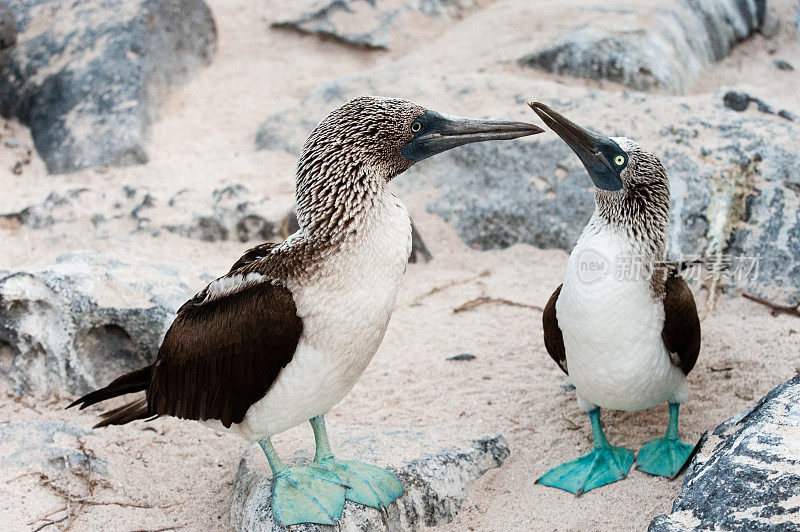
(619, 160)
(416, 126)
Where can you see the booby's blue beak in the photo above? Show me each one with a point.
(601, 156)
(435, 133)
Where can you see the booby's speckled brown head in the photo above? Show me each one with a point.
(388, 135)
(632, 185)
(368, 141)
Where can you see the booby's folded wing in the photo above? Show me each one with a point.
(553, 339)
(681, 332)
(223, 354)
(253, 254)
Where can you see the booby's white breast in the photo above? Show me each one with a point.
(345, 310)
(612, 326)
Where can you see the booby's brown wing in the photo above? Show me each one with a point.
(222, 353)
(553, 339)
(681, 332)
(221, 356)
(253, 254)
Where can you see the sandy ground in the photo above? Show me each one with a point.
(172, 474)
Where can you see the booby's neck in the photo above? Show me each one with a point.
(640, 215)
(331, 205)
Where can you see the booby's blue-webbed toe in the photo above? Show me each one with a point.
(366, 484)
(604, 465)
(665, 457)
(303, 494)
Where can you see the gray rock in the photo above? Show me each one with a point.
(746, 473)
(46, 445)
(668, 53)
(77, 324)
(535, 193)
(435, 476)
(8, 29)
(87, 75)
(462, 356)
(739, 101)
(225, 214)
(364, 23)
(780, 64)
(230, 216)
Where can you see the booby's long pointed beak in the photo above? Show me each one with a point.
(598, 154)
(438, 132)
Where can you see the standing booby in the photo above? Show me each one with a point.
(627, 337)
(288, 331)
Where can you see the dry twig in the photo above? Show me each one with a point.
(574, 426)
(45, 516)
(483, 300)
(436, 289)
(163, 529)
(776, 308)
(51, 522)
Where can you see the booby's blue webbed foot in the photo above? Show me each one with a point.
(366, 484)
(303, 494)
(307, 494)
(665, 456)
(604, 465)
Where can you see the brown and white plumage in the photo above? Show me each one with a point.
(680, 332)
(285, 334)
(627, 342)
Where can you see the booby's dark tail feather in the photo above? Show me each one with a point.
(135, 381)
(125, 414)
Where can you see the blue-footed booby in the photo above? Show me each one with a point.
(287, 332)
(627, 337)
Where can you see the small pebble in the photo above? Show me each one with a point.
(462, 356)
(13, 143)
(738, 101)
(780, 64)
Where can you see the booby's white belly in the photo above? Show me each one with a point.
(612, 327)
(345, 310)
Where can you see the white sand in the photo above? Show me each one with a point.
(183, 473)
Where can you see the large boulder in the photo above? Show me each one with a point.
(87, 75)
(435, 476)
(8, 30)
(375, 24)
(227, 213)
(746, 474)
(45, 445)
(733, 175)
(664, 46)
(77, 324)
